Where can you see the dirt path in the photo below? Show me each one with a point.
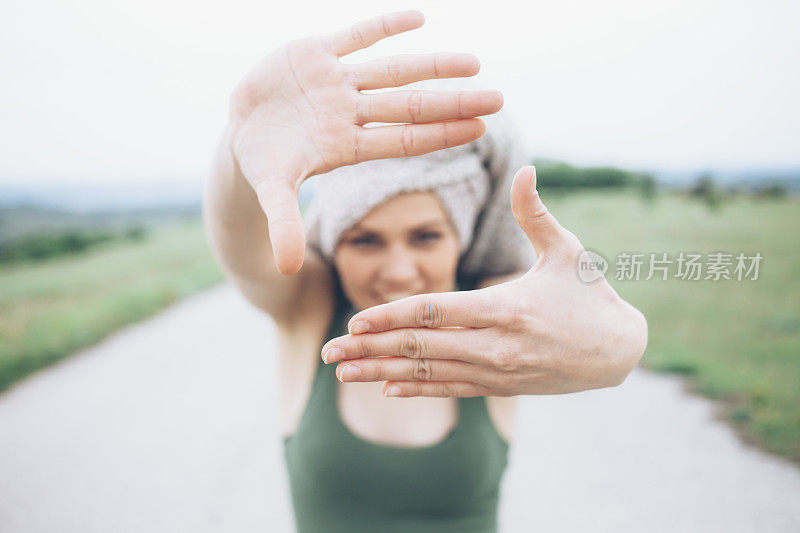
(170, 426)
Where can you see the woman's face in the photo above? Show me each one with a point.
(405, 246)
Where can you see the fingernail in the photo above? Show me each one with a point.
(394, 391)
(349, 373)
(359, 327)
(333, 354)
(533, 181)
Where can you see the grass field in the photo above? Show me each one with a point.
(50, 309)
(737, 341)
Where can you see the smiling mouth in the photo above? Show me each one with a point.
(394, 296)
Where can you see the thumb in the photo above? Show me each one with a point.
(541, 227)
(286, 231)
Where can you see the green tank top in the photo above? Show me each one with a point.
(342, 483)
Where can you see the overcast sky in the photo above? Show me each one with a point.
(113, 90)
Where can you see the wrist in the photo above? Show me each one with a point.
(227, 173)
(230, 199)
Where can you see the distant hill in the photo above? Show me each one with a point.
(752, 177)
(66, 204)
(42, 208)
(111, 196)
(21, 221)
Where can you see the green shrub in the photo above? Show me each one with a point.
(556, 175)
(42, 246)
(772, 190)
(705, 188)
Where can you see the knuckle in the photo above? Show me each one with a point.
(407, 140)
(429, 314)
(421, 370)
(540, 210)
(504, 384)
(518, 319)
(393, 70)
(506, 360)
(535, 216)
(377, 373)
(363, 348)
(356, 35)
(362, 110)
(511, 317)
(447, 390)
(323, 43)
(411, 344)
(572, 245)
(414, 105)
(351, 75)
(358, 142)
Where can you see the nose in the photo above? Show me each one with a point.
(400, 268)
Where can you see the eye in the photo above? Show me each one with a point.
(427, 237)
(365, 241)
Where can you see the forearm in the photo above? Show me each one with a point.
(238, 233)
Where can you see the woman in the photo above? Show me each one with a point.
(380, 231)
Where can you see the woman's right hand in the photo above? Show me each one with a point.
(300, 112)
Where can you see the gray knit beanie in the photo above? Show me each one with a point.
(473, 182)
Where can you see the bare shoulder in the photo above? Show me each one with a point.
(503, 412)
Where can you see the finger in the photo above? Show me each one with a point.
(286, 230)
(399, 70)
(402, 369)
(541, 227)
(442, 309)
(427, 106)
(435, 389)
(413, 139)
(368, 32)
(464, 344)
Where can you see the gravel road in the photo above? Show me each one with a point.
(170, 425)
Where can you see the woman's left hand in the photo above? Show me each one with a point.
(547, 332)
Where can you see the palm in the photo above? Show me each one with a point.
(301, 112)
